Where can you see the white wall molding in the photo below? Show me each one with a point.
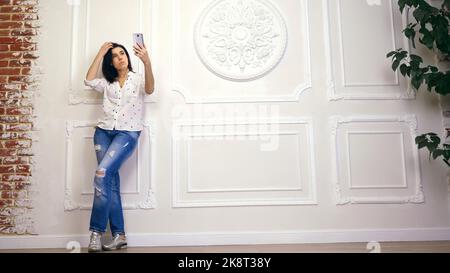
(177, 201)
(411, 122)
(342, 49)
(77, 90)
(237, 238)
(332, 60)
(188, 95)
(149, 200)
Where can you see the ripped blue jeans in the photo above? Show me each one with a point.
(112, 148)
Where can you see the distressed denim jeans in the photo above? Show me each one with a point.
(112, 148)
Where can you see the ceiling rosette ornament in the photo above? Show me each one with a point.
(240, 39)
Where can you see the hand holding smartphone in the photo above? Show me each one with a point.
(138, 38)
(139, 48)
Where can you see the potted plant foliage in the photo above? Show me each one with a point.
(430, 27)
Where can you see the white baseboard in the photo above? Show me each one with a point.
(237, 238)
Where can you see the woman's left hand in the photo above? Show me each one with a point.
(142, 53)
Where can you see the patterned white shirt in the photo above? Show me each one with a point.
(123, 108)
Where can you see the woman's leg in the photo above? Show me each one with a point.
(102, 140)
(116, 221)
(120, 149)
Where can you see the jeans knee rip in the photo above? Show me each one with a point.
(100, 173)
(98, 191)
(98, 148)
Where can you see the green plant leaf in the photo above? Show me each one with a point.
(427, 40)
(395, 65)
(404, 69)
(433, 69)
(410, 33)
(437, 153)
(446, 154)
(417, 81)
(422, 144)
(390, 54)
(419, 14)
(402, 4)
(416, 58)
(421, 138)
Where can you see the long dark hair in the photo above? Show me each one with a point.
(109, 71)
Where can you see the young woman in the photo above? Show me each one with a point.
(116, 134)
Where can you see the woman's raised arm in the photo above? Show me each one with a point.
(142, 53)
(92, 72)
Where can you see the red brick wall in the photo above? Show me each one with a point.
(18, 32)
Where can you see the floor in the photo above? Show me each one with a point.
(383, 247)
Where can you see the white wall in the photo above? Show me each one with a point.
(334, 160)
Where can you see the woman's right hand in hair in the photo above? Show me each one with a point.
(92, 72)
(104, 49)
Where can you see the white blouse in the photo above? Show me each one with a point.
(122, 107)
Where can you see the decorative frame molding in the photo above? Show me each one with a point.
(176, 136)
(149, 201)
(292, 97)
(74, 97)
(411, 121)
(332, 74)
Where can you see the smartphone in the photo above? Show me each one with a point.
(138, 38)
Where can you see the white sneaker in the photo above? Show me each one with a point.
(119, 242)
(95, 243)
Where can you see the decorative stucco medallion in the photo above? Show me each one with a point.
(240, 39)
